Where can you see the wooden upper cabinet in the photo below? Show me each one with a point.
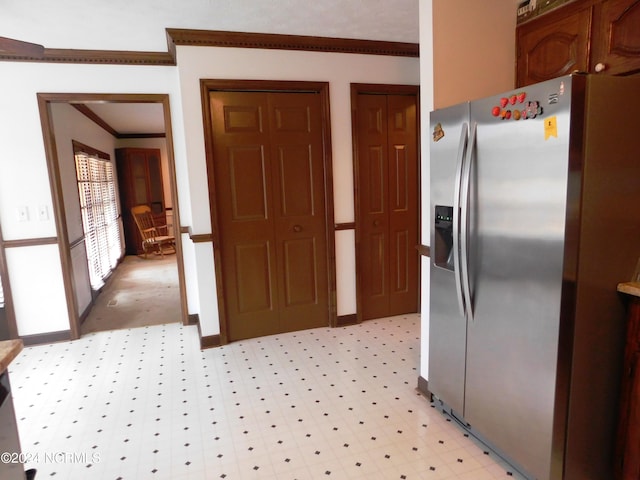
(595, 36)
(140, 183)
(616, 45)
(553, 45)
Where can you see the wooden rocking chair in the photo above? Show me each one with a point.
(154, 237)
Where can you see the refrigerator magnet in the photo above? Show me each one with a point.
(438, 132)
(550, 128)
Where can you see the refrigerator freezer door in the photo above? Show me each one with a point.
(447, 325)
(518, 211)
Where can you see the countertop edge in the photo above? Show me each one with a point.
(632, 288)
(9, 349)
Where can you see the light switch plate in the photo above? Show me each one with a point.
(23, 214)
(43, 213)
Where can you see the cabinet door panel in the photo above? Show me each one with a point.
(553, 46)
(616, 44)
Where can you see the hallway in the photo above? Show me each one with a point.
(147, 403)
(141, 292)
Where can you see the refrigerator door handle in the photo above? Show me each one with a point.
(464, 222)
(462, 150)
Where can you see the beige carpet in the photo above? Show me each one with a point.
(140, 292)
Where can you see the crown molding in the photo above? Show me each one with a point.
(18, 51)
(213, 38)
(8, 46)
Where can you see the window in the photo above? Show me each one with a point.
(99, 209)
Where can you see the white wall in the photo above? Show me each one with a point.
(24, 177)
(340, 70)
(68, 125)
(39, 299)
(426, 106)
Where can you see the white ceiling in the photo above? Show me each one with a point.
(131, 118)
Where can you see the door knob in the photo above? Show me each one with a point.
(600, 67)
(297, 228)
(376, 223)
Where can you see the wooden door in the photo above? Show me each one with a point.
(616, 41)
(387, 223)
(269, 189)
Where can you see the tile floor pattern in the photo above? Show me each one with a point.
(147, 403)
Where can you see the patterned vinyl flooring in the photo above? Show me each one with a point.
(147, 403)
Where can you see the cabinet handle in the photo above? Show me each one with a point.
(600, 67)
(297, 228)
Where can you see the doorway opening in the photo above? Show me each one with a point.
(90, 119)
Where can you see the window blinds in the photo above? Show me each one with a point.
(99, 210)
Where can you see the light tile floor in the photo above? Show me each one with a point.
(147, 403)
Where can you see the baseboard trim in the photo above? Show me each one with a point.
(207, 341)
(85, 314)
(193, 319)
(344, 320)
(44, 338)
(423, 387)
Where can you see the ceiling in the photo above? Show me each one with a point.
(131, 118)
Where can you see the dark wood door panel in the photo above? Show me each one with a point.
(300, 272)
(243, 169)
(269, 171)
(387, 172)
(242, 118)
(403, 284)
(400, 252)
(373, 204)
(403, 195)
(399, 171)
(253, 275)
(376, 188)
(289, 118)
(296, 135)
(296, 181)
(375, 269)
(247, 183)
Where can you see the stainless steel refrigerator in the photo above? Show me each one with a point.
(535, 204)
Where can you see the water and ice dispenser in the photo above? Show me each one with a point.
(442, 250)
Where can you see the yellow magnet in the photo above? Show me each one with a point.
(550, 128)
